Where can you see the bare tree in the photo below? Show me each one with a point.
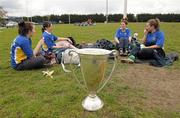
(2, 12)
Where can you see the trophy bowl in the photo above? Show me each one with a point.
(92, 73)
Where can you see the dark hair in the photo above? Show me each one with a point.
(24, 28)
(154, 22)
(73, 41)
(124, 20)
(46, 24)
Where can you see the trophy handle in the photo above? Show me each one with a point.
(114, 65)
(62, 60)
(62, 64)
(73, 70)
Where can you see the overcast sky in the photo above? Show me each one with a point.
(46, 7)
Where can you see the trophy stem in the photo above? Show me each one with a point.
(92, 103)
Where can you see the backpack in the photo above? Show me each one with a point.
(105, 44)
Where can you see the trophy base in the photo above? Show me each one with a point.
(92, 103)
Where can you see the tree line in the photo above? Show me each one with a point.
(101, 18)
(74, 18)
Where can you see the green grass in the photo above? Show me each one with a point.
(30, 94)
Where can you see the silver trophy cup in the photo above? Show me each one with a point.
(92, 73)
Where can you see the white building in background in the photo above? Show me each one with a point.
(11, 24)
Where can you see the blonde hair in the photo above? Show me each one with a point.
(154, 22)
(124, 20)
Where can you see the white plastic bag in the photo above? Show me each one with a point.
(69, 57)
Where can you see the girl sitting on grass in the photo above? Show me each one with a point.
(122, 38)
(22, 57)
(49, 39)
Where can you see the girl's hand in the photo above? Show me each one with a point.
(145, 31)
(69, 40)
(142, 46)
(116, 40)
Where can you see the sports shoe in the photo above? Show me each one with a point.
(121, 52)
(126, 53)
(128, 60)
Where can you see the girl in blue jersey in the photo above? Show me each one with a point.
(52, 42)
(123, 37)
(22, 57)
(152, 42)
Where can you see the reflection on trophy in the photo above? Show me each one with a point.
(94, 71)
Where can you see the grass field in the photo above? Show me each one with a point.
(135, 91)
